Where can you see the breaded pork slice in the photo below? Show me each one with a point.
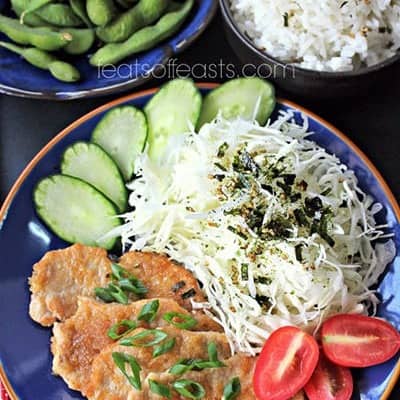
(61, 276)
(163, 277)
(213, 380)
(78, 340)
(108, 382)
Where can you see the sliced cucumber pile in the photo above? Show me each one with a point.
(249, 98)
(172, 110)
(89, 162)
(75, 210)
(122, 134)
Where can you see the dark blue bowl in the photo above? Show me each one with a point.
(24, 346)
(19, 78)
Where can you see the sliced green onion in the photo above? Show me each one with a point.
(149, 311)
(117, 293)
(212, 351)
(187, 320)
(160, 389)
(133, 285)
(183, 366)
(121, 329)
(118, 272)
(189, 389)
(232, 389)
(121, 359)
(156, 336)
(104, 294)
(164, 347)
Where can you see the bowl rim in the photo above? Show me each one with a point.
(205, 85)
(168, 53)
(312, 73)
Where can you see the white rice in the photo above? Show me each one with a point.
(323, 35)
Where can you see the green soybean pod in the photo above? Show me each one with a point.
(79, 8)
(100, 12)
(82, 40)
(32, 6)
(43, 60)
(59, 14)
(42, 37)
(18, 6)
(64, 71)
(146, 12)
(144, 39)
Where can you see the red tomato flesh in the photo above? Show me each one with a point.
(329, 382)
(359, 341)
(285, 364)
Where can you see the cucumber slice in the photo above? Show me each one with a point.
(75, 210)
(171, 111)
(240, 97)
(122, 133)
(89, 162)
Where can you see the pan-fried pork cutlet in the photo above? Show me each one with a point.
(61, 276)
(108, 382)
(83, 336)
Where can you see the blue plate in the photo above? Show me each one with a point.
(24, 345)
(19, 78)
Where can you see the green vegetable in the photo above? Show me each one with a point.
(112, 293)
(242, 97)
(75, 211)
(89, 162)
(59, 14)
(39, 58)
(189, 389)
(120, 360)
(19, 7)
(149, 311)
(232, 389)
(120, 329)
(32, 6)
(144, 13)
(100, 12)
(127, 281)
(185, 321)
(153, 336)
(79, 8)
(160, 389)
(82, 41)
(163, 348)
(171, 111)
(122, 133)
(43, 38)
(145, 38)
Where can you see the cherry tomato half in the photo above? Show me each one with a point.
(285, 364)
(359, 341)
(329, 382)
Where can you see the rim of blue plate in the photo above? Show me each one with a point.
(168, 52)
(69, 129)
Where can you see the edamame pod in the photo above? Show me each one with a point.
(100, 12)
(42, 37)
(19, 6)
(146, 12)
(144, 39)
(79, 8)
(82, 40)
(59, 69)
(59, 14)
(32, 6)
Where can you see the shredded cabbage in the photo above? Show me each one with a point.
(309, 252)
